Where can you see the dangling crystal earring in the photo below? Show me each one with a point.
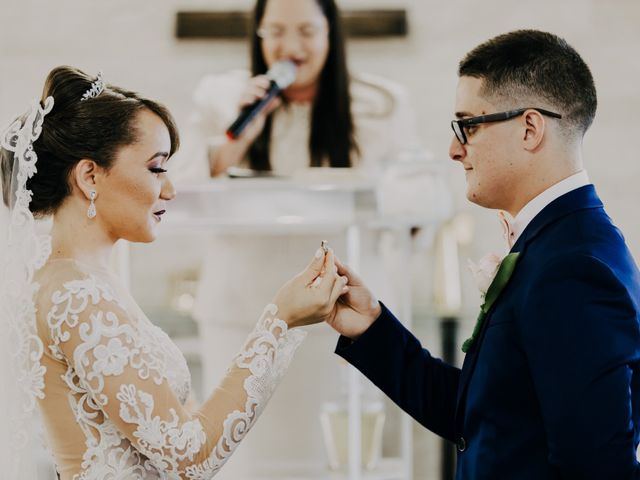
(91, 213)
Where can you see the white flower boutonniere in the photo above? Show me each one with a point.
(485, 271)
(496, 272)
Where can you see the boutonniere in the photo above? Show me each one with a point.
(492, 275)
(485, 271)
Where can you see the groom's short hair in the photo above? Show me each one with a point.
(532, 66)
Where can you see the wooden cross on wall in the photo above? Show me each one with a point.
(236, 24)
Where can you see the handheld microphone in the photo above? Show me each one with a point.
(282, 74)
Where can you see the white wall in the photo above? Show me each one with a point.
(133, 42)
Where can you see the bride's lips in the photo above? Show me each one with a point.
(159, 214)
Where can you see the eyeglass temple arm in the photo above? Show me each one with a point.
(496, 117)
(546, 112)
(492, 117)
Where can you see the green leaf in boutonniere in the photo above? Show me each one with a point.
(505, 270)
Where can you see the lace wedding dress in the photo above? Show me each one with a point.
(116, 386)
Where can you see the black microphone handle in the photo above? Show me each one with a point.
(249, 112)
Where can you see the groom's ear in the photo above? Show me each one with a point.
(534, 130)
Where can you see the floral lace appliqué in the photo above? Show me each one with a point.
(162, 444)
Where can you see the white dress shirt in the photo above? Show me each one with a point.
(537, 204)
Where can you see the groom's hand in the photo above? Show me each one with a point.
(356, 309)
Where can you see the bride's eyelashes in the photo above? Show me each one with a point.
(157, 170)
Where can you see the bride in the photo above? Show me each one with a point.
(110, 386)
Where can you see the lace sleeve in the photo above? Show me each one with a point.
(112, 360)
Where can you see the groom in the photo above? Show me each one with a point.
(550, 386)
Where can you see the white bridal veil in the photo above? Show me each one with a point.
(22, 252)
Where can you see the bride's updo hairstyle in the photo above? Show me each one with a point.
(76, 129)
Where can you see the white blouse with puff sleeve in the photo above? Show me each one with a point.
(384, 126)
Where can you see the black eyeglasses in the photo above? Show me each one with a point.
(458, 126)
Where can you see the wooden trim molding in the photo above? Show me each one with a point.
(236, 24)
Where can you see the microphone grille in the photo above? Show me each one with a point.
(283, 73)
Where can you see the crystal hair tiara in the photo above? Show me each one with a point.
(96, 88)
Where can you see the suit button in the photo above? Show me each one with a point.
(462, 444)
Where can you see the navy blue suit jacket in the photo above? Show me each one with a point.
(551, 387)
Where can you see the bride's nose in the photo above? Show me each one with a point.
(168, 191)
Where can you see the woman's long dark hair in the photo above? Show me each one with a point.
(332, 130)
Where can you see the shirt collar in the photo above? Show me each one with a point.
(537, 204)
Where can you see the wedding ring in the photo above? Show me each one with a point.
(325, 248)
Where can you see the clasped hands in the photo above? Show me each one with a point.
(328, 291)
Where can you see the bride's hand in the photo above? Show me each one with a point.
(310, 297)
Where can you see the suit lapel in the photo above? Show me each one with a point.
(578, 199)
